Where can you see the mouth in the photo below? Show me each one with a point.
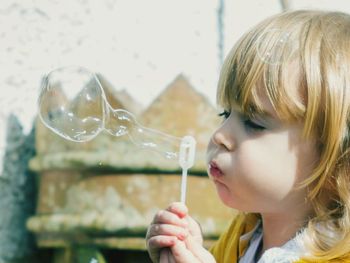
(214, 170)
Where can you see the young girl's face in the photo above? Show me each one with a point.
(257, 163)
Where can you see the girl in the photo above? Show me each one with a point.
(281, 155)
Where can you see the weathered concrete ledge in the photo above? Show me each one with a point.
(111, 161)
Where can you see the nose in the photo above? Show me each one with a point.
(223, 137)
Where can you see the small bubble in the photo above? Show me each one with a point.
(122, 130)
(273, 45)
(170, 155)
(149, 145)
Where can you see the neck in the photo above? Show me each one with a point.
(280, 228)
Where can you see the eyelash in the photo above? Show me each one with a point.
(225, 114)
(249, 125)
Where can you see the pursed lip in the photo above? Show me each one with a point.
(214, 170)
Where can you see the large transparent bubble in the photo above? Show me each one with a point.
(72, 104)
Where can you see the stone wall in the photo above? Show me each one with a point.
(17, 194)
(104, 193)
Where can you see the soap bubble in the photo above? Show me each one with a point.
(72, 104)
(273, 45)
(120, 122)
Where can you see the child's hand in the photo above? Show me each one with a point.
(189, 251)
(169, 226)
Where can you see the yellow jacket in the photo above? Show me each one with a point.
(229, 248)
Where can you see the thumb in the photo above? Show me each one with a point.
(181, 254)
(198, 251)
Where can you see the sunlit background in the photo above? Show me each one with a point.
(137, 46)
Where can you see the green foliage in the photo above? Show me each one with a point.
(89, 255)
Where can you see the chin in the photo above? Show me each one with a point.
(230, 200)
(225, 194)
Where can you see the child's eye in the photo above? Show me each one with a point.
(224, 114)
(252, 126)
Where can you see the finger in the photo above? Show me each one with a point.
(194, 229)
(178, 208)
(156, 245)
(181, 254)
(157, 242)
(168, 217)
(167, 230)
(164, 256)
(171, 257)
(193, 224)
(198, 250)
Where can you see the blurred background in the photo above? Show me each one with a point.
(160, 60)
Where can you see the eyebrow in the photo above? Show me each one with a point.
(266, 114)
(254, 112)
(261, 113)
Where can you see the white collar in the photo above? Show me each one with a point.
(289, 252)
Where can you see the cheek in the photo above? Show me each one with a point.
(270, 173)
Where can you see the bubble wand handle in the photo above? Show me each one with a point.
(183, 186)
(186, 161)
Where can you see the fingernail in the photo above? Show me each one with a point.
(182, 236)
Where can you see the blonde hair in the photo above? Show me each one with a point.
(316, 46)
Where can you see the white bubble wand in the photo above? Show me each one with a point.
(186, 161)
